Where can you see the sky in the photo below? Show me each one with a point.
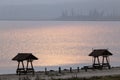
(51, 8)
(22, 2)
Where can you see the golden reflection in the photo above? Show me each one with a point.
(52, 45)
(63, 59)
(57, 45)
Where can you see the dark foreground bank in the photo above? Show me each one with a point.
(117, 77)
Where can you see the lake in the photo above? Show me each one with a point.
(57, 43)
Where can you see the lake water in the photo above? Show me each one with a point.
(57, 43)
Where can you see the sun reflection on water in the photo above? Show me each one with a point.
(57, 45)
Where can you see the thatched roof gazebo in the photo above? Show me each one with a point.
(105, 55)
(20, 57)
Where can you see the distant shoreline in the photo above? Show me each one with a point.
(50, 20)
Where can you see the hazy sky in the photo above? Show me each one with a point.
(52, 8)
(6, 2)
(19, 2)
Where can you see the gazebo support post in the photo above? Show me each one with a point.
(22, 69)
(32, 67)
(29, 69)
(107, 62)
(96, 62)
(17, 71)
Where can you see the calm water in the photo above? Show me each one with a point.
(57, 43)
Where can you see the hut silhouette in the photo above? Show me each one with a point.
(105, 58)
(20, 58)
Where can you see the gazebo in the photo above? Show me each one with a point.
(20, 58)
(105, 58)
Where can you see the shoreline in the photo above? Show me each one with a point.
(64, 75)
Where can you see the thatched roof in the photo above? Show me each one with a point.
(24, 56)
(100, 52)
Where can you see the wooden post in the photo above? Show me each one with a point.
(18, 64)
(31, 64)
(108, 62)
(23, 65)
(46, 71)
(105, 64)
(86, 67)
(32, 69)
(71, 69)
(94, 59)
(17, 71)
(27, 65)
(103, 60)
(96, 62)
(78, 69)
(22, 69)
(59, 69)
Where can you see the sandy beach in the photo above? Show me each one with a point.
(63, 75)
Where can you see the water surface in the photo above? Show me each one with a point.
(57, 43)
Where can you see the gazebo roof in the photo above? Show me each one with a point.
(24, 56)
(100, 52)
